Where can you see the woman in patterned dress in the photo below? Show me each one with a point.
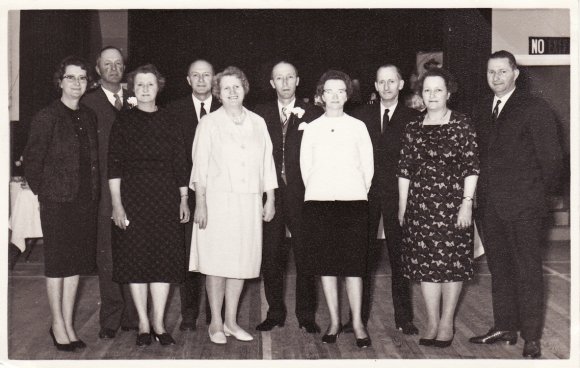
(438, 173)
(147, 176)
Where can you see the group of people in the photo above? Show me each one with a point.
(155, 196)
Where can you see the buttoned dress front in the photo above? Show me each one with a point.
(235, 165)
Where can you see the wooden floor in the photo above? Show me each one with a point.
(29, 321)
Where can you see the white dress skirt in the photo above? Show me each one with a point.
(231, 244)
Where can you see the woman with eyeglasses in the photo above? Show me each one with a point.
(336, 161)
(62, 169)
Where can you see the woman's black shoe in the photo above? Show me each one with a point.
(61, 347)
(164, 338)
(363, 343)
(426, 342)
(79, 344)
(442, 343)
(331, 338)
(143, 339)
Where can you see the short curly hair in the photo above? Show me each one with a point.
(230, 71)
(334, 75)
(447, 77)
(144, 69)
(67, 61)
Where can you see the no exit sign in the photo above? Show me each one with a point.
(549, 46)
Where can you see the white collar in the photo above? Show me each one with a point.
(288, 107)
(503, 100)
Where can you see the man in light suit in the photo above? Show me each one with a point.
(521, 159)
(117, 308)
(386, 122)
(188, 111)
(283, 118)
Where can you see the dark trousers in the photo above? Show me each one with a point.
(190, 289)
(117, 308)
(514, 256)
(387, 207)
(275, 256)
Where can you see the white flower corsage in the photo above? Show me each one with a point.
(303, 125)
(132, 101)
(298, 111)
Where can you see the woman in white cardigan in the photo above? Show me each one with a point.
(336, 160)
(232, 168)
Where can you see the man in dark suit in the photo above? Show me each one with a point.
(386, 122)
(521, 160)
(188, 111)
(283, 118)
(117, 308)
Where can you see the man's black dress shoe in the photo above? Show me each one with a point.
(493, 336)
(107, 333)
(187, 326)
(408, 328)
(309, 326)
(269, 324)
(532, 349)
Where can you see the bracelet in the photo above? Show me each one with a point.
(468, 198)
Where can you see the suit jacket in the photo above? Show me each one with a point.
(51, 156)
(520, 155)
(106, 114)
(386, 146)
(271, 115)
(183, 110)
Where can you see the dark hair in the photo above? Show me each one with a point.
(143, 69)
(448, 78)
(230, 71)
(282, 62)
(399, 74)
(505, 54)
(334, 75)
(109, 48)
(70, 60)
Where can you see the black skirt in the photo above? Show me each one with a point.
(335, 238)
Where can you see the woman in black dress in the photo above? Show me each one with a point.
(147, 176)
(439, 168)
(62, 169)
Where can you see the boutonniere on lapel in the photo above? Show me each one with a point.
(132, 102)
(298, 111)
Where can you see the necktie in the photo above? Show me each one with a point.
(284, 117)
(118, 102)
(202, 112)
(385, 120)
(495, 112)
(284, 120)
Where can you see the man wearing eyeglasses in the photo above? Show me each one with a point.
(117, 308)
(188, 111)
(283, 118)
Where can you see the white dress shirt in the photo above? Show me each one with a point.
(111, 97)
(336, 159)
(503, 101)
(197, 104)
(391, 112)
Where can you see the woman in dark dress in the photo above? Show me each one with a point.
(438, 173)
(147, 176)
(62, 169)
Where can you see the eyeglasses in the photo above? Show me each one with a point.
(72, 78)
(340, 92)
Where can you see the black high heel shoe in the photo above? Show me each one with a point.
(331, 338)
(426, 342)
(164, 338)
(442, 343)
(60, 347)
(79, 344)
(143, 339)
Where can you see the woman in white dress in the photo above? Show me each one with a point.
(232, 169)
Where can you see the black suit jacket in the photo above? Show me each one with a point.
(183, 110)
(386, 146)
(520, 155)
(271, 115)
(51, 156)
(106, 114)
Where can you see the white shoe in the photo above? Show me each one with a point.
(240, 335)
(218, 337)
